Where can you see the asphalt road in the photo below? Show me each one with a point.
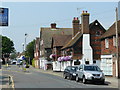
(34, 79)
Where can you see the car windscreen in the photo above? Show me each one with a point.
(92, 68)
(74, 68)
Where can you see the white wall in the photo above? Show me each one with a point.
(87, 50)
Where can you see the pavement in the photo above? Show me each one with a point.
(112, 81)
(4, 81)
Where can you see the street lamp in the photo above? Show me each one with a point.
(25, 40)
(23, 46)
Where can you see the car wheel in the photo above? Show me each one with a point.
(84, 80)
(77, 79)
(70, 77)
(64, 76)
(103, 82)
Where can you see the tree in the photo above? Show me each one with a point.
(6, 48)
(7, 45)
(30, 50)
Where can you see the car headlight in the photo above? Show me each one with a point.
(74, 74)
(102, 75)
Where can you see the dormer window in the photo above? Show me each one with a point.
(106, 43)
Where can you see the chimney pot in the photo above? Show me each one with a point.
(83, 11)
(53, 25)
(86, 11)
(77, 18)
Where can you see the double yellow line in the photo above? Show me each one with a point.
(11, 77)
(13, 85)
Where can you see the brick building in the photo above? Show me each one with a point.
(84, 45)
(108, 51)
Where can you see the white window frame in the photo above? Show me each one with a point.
(106, 43)
(114, 40)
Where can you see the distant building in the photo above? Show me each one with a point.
(46, 34)
(37, 52)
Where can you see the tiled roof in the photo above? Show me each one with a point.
(93, 23)
(73, 40)
(61, 40)
(111, 31)
(47, 33)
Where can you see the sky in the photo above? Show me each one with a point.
(29, 17)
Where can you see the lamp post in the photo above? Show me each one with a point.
(23, 46)
(25, 40)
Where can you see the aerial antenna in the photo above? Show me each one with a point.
(79, 10)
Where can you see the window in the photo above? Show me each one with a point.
(96, 24)
(98, 33)
(114, 41)
(106, 43)
(94, 61)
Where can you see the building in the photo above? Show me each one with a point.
(37, 52)
(46, 35)
(83, 47)
(108, 51)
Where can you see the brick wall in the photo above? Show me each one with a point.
(110, 50)
(95, 42)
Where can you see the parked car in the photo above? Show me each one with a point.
(13, 61)
(70, 72)
(19, 62)
(90, 73)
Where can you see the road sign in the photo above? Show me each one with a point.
(3, 16)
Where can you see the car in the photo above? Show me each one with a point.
(13, 61)
(70, 72)
(90, 73)
(19, 62)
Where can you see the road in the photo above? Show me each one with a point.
(35, 79)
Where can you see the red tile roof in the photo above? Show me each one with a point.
(61, 40)
(111, 31)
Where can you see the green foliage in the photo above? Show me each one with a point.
(7, 45)
(30, 50)
(33, 63)
(13, 55)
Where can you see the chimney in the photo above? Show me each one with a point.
(53, 25)
(85, 22)
(76, 26)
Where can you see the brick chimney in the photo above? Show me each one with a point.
(85, 22)
(76, 26)
(53, 25)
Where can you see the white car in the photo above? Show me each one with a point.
(90, 73)
(19, 62)
(13, 61)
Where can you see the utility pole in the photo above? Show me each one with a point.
(117, 44)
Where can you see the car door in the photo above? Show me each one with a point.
(81, 71)
(67, 71)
